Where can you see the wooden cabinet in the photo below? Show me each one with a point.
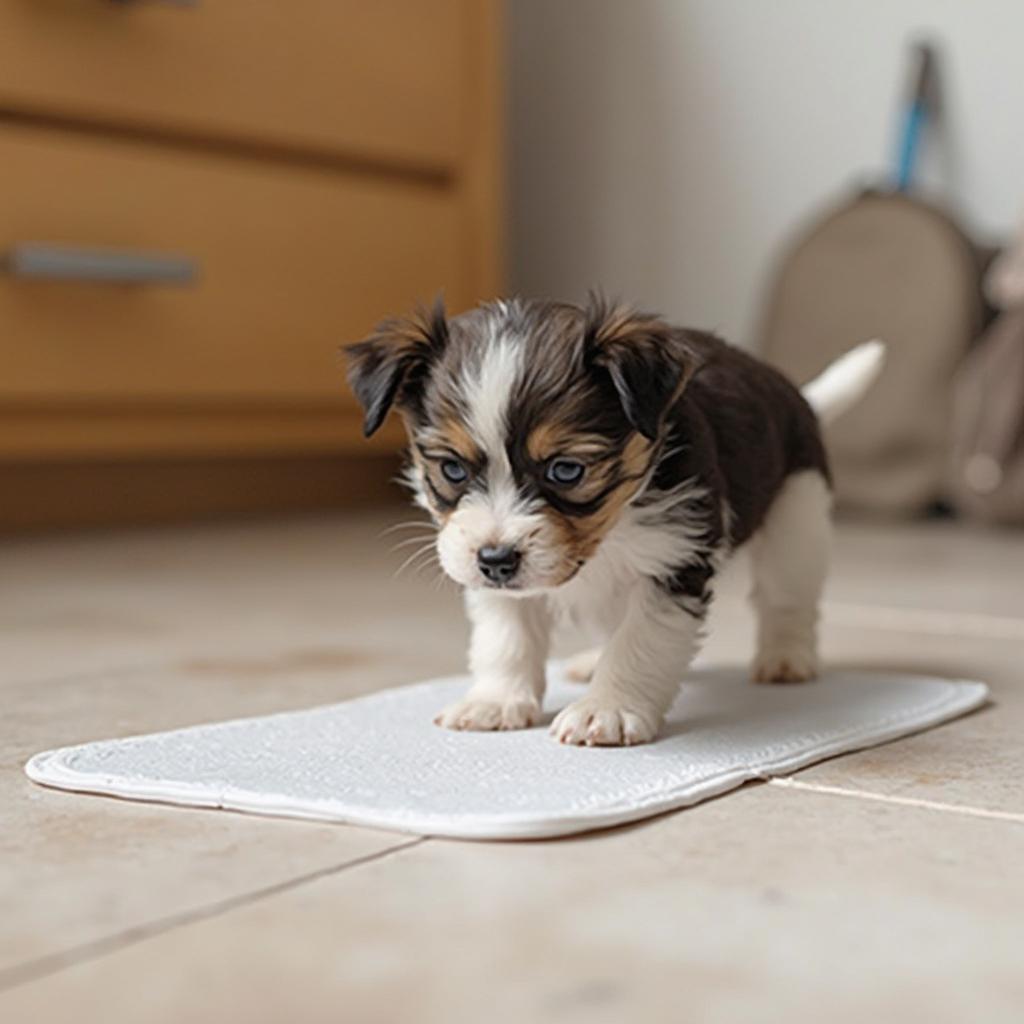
(286, 266)
(315, 166)
(384, 80)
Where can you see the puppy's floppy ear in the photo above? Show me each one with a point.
(649, 362)
(391, 365)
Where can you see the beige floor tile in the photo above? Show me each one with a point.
(117, 634)
(75, 869)
(97, 602)
(763, 905)
(941, 566)
(100, 601)
(85, 900)
(114, 634)
(974, 763)
(92, 870)
(931, 567)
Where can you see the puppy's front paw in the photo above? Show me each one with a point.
(596, 722)
(794, 664)
(488, 715)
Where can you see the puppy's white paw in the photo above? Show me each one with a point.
(793, 664)
(488, 715)
(596, 722)
(580, 667)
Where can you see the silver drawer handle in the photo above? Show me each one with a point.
(171, 3)
(41, 260)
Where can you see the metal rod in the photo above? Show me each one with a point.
(54, 262)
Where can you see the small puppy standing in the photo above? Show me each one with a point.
(598, 465)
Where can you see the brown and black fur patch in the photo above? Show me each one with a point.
(391, 365)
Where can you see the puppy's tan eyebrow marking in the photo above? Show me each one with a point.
(550, 439)
(636, 457)
(435, 454)
(449, 440)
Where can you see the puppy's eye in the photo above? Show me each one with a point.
(564, 472)
(454, 471)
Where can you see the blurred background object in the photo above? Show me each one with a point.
(201, 203)
(987, 479)
(884, 263)
(665, 149)
(680, 152)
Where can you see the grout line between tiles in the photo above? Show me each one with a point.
(34, 970)
(901, 801)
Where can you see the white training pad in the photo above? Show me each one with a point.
(380, 760)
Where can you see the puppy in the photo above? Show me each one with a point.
(598, 465)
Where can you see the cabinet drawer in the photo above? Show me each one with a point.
(290, 263)
(380, 79)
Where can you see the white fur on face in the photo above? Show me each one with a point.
(484, 520)
(487, 389)
(495, 513)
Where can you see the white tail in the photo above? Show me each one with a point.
(842, 383)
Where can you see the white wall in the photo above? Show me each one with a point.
(663, 149)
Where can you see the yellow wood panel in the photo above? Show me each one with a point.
(292, 263)
(379, 79)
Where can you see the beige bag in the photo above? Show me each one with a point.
(892, 267)
(885, 265)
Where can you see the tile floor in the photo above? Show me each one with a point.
(884, 885)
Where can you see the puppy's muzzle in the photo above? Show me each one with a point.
(500, 563)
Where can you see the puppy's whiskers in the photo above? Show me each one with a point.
(423, 538)
(427, 550)
(407, 524)
(442, 580)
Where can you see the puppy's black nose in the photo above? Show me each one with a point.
(498, 564)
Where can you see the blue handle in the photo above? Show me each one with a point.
(908, 146)
(922, 101)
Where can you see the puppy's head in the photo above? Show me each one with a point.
(531, 425)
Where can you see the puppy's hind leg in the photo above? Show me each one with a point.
(580, 667)
(789, 557)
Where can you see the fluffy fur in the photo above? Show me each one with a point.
(598, 464)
